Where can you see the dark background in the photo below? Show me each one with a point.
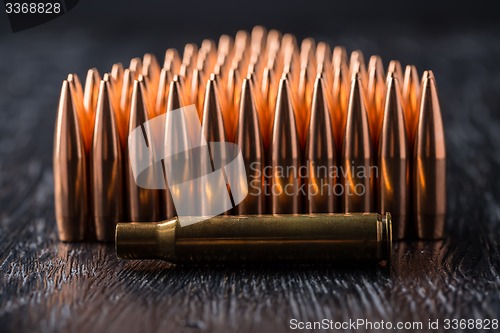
(50, 286)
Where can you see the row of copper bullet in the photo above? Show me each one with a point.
(287, 107)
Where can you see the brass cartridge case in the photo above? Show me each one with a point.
(315, 238)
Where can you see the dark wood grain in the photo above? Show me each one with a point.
(46, 285)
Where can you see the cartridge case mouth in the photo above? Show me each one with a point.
(138, 240)
(387, 237)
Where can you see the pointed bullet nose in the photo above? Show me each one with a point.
(172, 61)
(175, 98)
(393, 161)
(429, 163)
(135, 67)
(340, 98)
(90, 95)
(163, 89)
(138, 110)
(117, 74)
(430, 131)
(213, 121)
(410, 96)
(320, 154)
(248, 122)
(268, 92)
(339, 57)
(70, 171)
(393, 109)
(126, 93)
(396, 69)
(84, 119)
(121, 118)
(91, 91)
(150, 68)
(357, 159)
(376, 93)
(357, 65)
(196, 91)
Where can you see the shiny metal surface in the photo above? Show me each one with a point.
(70, 171)
(285, 156)
(142, 204)
(249, 140)
(317, 238)
(411, 96)
(429, 164)
(394, 162)
(357, 154)
(107, 169)
(320, 154)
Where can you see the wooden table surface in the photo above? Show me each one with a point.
(46, 285)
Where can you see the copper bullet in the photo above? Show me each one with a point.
(172, 61)
(196, 92)
(268, 102)
(324, 61)
(117, 75)
(174, 102)
(213, 130)
(285, 156)
(70, 171)
(151, 68)
(320, 154)
(135, 67)
(429, 164)
(223, 51)
(249, 140)
(395, 67)
(188, 60)
(90, 94)
(213, 121)
(76, 91)
(376, 93)
(91, 91)
(358, 60)
(121, 118)
(166, 77)
(301, 94)
(230, 103)
(307, 64)
(339, 57)
(393, 161)
(143, 204)
(207, 56)
(357, 158)
(126, 92)
(107, 172)
(411, 94)
(340, 99)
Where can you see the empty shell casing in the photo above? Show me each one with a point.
(315, 238)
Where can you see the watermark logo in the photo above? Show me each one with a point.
(204, 179)
(27, 14)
